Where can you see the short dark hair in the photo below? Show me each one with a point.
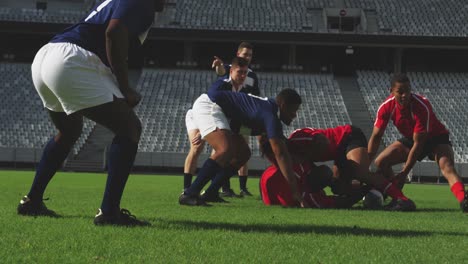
(289, 97)
(399, 78)
(246, 45)
(239, 61)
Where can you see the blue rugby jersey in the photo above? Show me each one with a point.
(89, 33)
(257, 113)
(250, 84)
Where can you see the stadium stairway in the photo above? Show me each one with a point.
(91, 156)
(372, 21)
(355, 104)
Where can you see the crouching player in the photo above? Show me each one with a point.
(347, 147)
(423, 135)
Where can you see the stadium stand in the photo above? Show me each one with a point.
(168, 94)
(446, 91)
(397, 17)
(418, 17)
(65, 12)
(23, 121)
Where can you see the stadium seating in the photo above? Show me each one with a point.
(446, 91)
(418, 17)
(398, 17)
(23, 121)
(168, 94)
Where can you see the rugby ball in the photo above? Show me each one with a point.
(373, 200)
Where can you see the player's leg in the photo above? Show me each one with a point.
(240, 155)
(220, 141)
(360, 164)
(243, 174)
(54, 154)
(120, 118)
(214, 129)
(190, 165)
(445, 159)
(394, 154)
(48, 74)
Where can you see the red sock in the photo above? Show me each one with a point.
(391, 189)
(458, 191)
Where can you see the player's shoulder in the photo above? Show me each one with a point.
(387, 104)
(420, 102)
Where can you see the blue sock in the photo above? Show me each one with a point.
(243, 182)
(227, 184)
(187, 180)
(122, 154)
(218, 181)
(53, 156)
(206, 173)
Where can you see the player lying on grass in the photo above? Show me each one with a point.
(311, 182)
(211, 112)
(346, 146)
(423, 135)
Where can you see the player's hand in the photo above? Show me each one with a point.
(197, 139)
(216, 62)
(132, 97)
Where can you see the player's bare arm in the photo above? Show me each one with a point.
(285, 164)
(117, 53)
(218, 65)
(419, 141)
(374, 142)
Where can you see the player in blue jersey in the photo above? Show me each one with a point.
(250, 85)
(244, 50)
(83, 71)
(211, 113)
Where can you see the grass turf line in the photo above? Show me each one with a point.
(243, 231)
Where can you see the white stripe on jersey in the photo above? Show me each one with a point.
(427, 110)
(377, 117)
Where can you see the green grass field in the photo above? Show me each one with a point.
(243, 231)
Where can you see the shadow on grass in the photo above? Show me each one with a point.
(433, 210)
(297, 229)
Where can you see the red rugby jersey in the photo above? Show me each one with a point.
(303, 137)
(417, 117)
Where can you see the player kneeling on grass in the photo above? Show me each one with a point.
(211, 112)
(423, 135)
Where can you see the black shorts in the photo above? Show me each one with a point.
(356, 139)
(428, 146)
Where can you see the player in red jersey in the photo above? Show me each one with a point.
(311, 181)
(423, 135)
(347, 147)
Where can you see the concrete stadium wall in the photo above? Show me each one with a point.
(176, 160)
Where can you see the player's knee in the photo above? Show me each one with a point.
(71, 135)
(380, 162)
(133, 131)
(223, 155)
(197, 149)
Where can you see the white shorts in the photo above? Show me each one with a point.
(69, 78)
(208, 116)
(189, 122)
